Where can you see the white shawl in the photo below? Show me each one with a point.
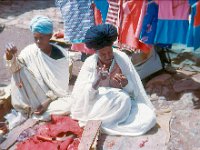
(120, 115)
(42, 77)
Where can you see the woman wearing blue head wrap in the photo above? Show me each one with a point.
(109, 89)
(42, 29)
(100, 36)
(40, 73)
(41, 24)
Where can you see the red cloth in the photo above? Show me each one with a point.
(81, 47)
(127, 16)
(131, 16)
(97, 15)
(45, 138)
(197, 16)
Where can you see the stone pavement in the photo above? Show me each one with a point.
(173, 94)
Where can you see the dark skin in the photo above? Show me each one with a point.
(3, 127)
(105, 56)
(42, 41)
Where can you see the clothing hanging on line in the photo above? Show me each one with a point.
(173, 21)
(131, 18)
(149, 23)
(102, 5)
(78, 16)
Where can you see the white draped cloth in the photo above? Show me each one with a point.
(126, 111)
(37, 77)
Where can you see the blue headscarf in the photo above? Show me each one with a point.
(42, 25)
(100, 36)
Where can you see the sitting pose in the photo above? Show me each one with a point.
(40, 73)
(109, 89)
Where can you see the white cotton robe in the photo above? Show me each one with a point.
(42, 78)
(126, 111)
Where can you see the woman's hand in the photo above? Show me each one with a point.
(118, 81)
(3, 127)
(102, 74)
(42, 108)
(10, 51)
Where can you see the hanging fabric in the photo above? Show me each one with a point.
(78, 17)
(97, 16)
(172, 21)
(193, 36)
(127, 16)
(150, 23)
(102, 6)
(131, 18)
(113, 12)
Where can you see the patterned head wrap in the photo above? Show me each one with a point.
(42, 25)
(100, 36)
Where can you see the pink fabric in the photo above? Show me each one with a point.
(45, 138)
(81, 47)
(173, 9)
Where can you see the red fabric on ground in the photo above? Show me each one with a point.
(45, 138)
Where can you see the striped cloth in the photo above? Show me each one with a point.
(113, 12)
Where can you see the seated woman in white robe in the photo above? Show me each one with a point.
(109, 89)
(40, 74)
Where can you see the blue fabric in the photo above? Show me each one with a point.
(78, 17)
(190, 37)
(196, 37)
(41, 24)
(171, 31)
(149, 24)
(191, 2)
(102, 5)
(193, 35)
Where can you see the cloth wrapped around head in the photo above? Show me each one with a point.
(100, 36)
(41, 24)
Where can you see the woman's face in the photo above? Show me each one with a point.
(106, 55)
(42, 40)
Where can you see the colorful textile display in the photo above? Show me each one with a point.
(172, 21)
(78, 17)
(130, 25)
(102, 5)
